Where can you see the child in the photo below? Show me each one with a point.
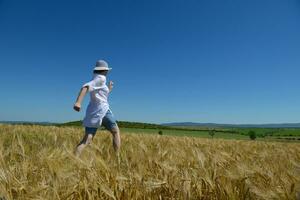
(98, 112)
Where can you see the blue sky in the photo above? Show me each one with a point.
(219, 61)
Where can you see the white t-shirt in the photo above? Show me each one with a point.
(98, 105)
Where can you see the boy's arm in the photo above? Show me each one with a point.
(110, 86)
(79, 99)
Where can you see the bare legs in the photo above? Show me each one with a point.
(87, 139)
(115, 131)
(116, 140)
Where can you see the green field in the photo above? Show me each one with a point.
(272, 131)
(262, 134)
(191, 133)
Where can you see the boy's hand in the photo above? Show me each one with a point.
(111, 85)
(77, 107)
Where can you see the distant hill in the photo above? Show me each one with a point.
(175, 125)
(215, 125)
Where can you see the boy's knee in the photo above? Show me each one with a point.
(89, 139)
(115, 130)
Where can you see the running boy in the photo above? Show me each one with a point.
(98, 112)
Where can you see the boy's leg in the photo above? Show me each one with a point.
(115, 131)
(110, 124)
(86, 140)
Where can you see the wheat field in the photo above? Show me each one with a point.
(37, 162)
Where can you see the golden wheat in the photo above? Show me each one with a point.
(37, 162)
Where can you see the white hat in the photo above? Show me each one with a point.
(101, 65)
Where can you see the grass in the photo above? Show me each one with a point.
(37, 162)
(203, 134)
(239, 135)
(272, 131)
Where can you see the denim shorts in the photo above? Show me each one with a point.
(108, 122)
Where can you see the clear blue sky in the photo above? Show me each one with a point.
(225, 61)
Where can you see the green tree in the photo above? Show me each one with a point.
(212, 133)
(252, 135)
